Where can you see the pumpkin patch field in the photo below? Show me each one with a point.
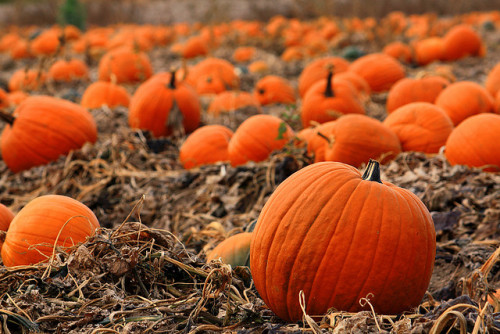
(326, 174)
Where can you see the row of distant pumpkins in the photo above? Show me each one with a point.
(287, 253)
(424, 114)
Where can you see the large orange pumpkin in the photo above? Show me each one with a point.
(318, 70)
(206, 145)
(162, 105)
(327, 100)
(429, 50)
(462, 41)
(357, 138)
(420, 126)
(42, 129)
(464, 99)
(212, 76)
(43, 222)
(379, 70)
(476, 143)
(235, 250)
(107, 93)
(257, 137)
(339, 236)
(409, 90)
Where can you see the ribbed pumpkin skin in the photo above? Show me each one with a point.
(102, 93)
(256, 138)
(153, 101)
(476, 142)
(464, 99)
(37, 225)
(126, 64)
(206, 145)
(338, 238)
(358, 138)
(45, 128)
(420, 126)
(6, 217)
(318, 107)
(379, 70)
(410, 90)
(318, 70)
(235, 250)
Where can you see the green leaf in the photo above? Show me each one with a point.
(281, 131)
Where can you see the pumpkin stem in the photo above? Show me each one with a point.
(329, 85)
(171, 85)
(5, 116)
(372, 171)
(329, 140)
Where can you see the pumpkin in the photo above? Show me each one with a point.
(357, 138)
(257, 137)
(212, 76)
(194, 46)
(476, 142)
(410, 90)
(327, 100)
(464, 99)
(462, 41)
(21, 50)
(6, 217)
(68, 70)
(318, 70)
(243, 54)
(234, 250)
(399, 51)
(4, 99)
(206, 145)
(273, 89)
(492, 82)
(102, 93)
(26, 80)
(321, 134)
(47, 43)
(360, 84)
(420, 126)
(339, 236)
(126, 65)
(230, 101)
(16, 97)
(42, 129)
(429, 50)
(164, 106)
(44, 222)
(258, 66)
(379, 70)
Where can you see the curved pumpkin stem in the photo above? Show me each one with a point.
(372, 171)
(329, 85)
(6, 117)
(171, 85)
